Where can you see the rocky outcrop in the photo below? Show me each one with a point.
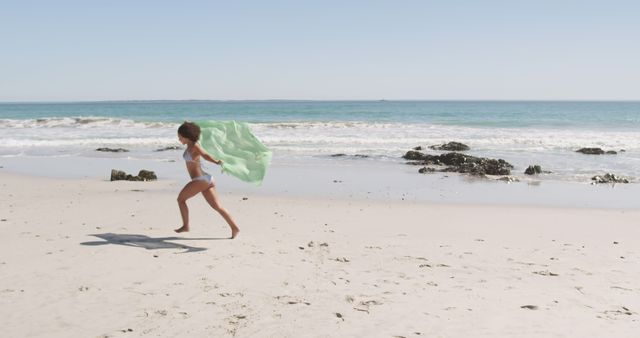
(143, 175)
(113, 150)
(595, 151)
(451, 146)
(460, 163)
(482, 167)
(425, 170)
(414, 155)
(533, 170)
(345, 155)
(608, 178)
(169, 148)
(147, 175)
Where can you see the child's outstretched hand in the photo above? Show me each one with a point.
(219, 162)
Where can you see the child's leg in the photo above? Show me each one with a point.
(189, 190)
(212, 198)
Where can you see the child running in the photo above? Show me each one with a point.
(201, 182)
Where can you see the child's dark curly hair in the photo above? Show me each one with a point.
(190, 131)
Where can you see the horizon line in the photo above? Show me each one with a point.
(313, 100)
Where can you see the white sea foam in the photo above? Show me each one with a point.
(554, 148)
(80, 122)
(89, 142)
(394, 136)
(298, 136)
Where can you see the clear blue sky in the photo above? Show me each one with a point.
(448, 49)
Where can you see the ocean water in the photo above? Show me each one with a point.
(299, 132)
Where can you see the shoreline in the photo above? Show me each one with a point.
(350, 180)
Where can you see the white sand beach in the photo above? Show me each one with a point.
(92, 258)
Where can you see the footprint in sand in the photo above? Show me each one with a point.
(613, 314)
(583, 271)
(291, 300)
(545, 273)
(225, 294)
(620, 288)
(236, 322)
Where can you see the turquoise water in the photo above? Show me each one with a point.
(595, 115)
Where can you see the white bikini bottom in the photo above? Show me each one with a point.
(206, 177)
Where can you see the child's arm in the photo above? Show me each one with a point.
(206, 155)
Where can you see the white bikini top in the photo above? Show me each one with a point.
(187, 156)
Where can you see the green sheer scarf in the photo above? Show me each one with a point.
(243, 155)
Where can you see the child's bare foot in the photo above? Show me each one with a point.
(234, 232)
(184, 228)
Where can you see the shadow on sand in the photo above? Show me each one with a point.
(149, 243)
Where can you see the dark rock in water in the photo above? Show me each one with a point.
(169, 148)
(117, 175)
(425, 170)
(595, 151)
(113, 150)
(483, 167)
(533, 169)
(133, 178)
(444, 159)
(622, 150)
(509, 179)
(147, 175)
(458, 159)
(417, 148)
(414, 155)
(345, 155)
(608, 178)
(144, 175)
(451, 146)
(461, 163)
(590, 151)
